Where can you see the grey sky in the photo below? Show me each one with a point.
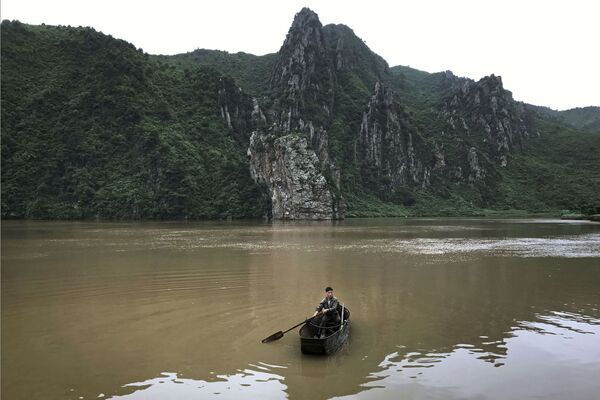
(547, 52)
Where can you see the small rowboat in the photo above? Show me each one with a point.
(311, 344)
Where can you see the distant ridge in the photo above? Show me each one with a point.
(323, 129)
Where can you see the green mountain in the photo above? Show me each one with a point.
(92, 128)
(322, 129)
(251, 73)
(582, 118)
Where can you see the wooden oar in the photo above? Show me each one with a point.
(279, 335)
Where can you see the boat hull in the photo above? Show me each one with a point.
(309, 344)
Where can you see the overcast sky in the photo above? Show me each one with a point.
(547, 52)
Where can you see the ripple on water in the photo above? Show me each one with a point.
(561, 345)
(575, 246)
(264, 239)
(568, 246)
(257, 383)
(585, 245)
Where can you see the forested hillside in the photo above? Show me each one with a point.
(94, 128)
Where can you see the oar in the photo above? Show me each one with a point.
(279, 335)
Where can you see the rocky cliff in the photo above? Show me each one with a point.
(241, 112)
(290, 158)
(302, 83)
(321, 128)
(391, 145)
(320, 83)
(289, 169)
(485, 112)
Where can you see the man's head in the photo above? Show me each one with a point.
(329, 292)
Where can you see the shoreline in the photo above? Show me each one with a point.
(495, 214)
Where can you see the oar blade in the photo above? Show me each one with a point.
(273, 337)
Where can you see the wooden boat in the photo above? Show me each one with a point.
(311, 344)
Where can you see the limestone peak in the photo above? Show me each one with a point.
(305, 17)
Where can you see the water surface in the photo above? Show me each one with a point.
(441, 308)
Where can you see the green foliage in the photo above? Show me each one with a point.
(420, 91)
(366, 205)
(92, 128)
(586, 119)
(558, 170)
(250, 72)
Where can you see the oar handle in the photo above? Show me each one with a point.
(279, 335)
(295, 326)
(303, 322)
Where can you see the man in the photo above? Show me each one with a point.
(328, 308)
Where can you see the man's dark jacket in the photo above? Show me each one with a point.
(330, 304)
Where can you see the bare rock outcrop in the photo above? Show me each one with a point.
(288, 168)
(391, 144)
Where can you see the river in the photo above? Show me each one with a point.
(441, 308)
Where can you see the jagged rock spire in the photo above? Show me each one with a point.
(302, 82)
(291, 160)
(485, 109)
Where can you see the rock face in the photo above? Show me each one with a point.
(291, 158)
(330, 119)
(476, 171)
(349, 53)
(302, 82)
(320, 82)
(241, 113)
(484, 111)
(392, 145)
(288, 168)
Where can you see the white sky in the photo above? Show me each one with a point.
(547, 52)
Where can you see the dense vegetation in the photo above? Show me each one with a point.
(585, 119)
(559, 170)
(250, 72)
(94, 128)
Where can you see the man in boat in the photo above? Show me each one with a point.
(328, 309)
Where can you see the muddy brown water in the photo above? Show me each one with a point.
(441, 308)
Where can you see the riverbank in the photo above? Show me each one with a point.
(576, 216)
